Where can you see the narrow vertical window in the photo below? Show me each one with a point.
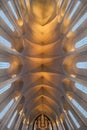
(81, 43)
(81, 87)
(12, 9)
(81, 65)
(3, 16)
(4, 111)
(80, 108)
(5, 42)
(12, 119)
(74, 9)
(4, 65)
(82, 19)
(74, 119)
(2, 90)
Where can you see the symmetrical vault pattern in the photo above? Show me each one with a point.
(43, 64)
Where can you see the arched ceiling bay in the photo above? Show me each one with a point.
(42, 58)
(42, 53)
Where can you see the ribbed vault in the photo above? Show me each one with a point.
(43, 41)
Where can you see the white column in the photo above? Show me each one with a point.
(9, 114)
(18, 123)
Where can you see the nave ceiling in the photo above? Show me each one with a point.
(43, 57)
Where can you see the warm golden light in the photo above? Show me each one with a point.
(57, 122)
(38, 10)
(64, 110)
(13, 76)
(41, 44)
(45, 75)
(66, 22)
(69, 96)
(72, 49)
(72, 75)
(21, 112)
(62, 13)
(27, 122)
(16, 95)
(16, 98)
(61, 120)
(20, 22)
(70, 35)
(59, 18)
(24, 121)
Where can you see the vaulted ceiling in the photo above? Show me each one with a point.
(43, 55)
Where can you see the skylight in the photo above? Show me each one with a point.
(82, 19)
(81, 65)
(12, 9)
(74, 119)
(3, 112)
(80, 108)
(5, 42)
(2, 90)
(81, 87)
(4, 65)
(74, 9)
(3, 16)
(12, 119)
(81, 43)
